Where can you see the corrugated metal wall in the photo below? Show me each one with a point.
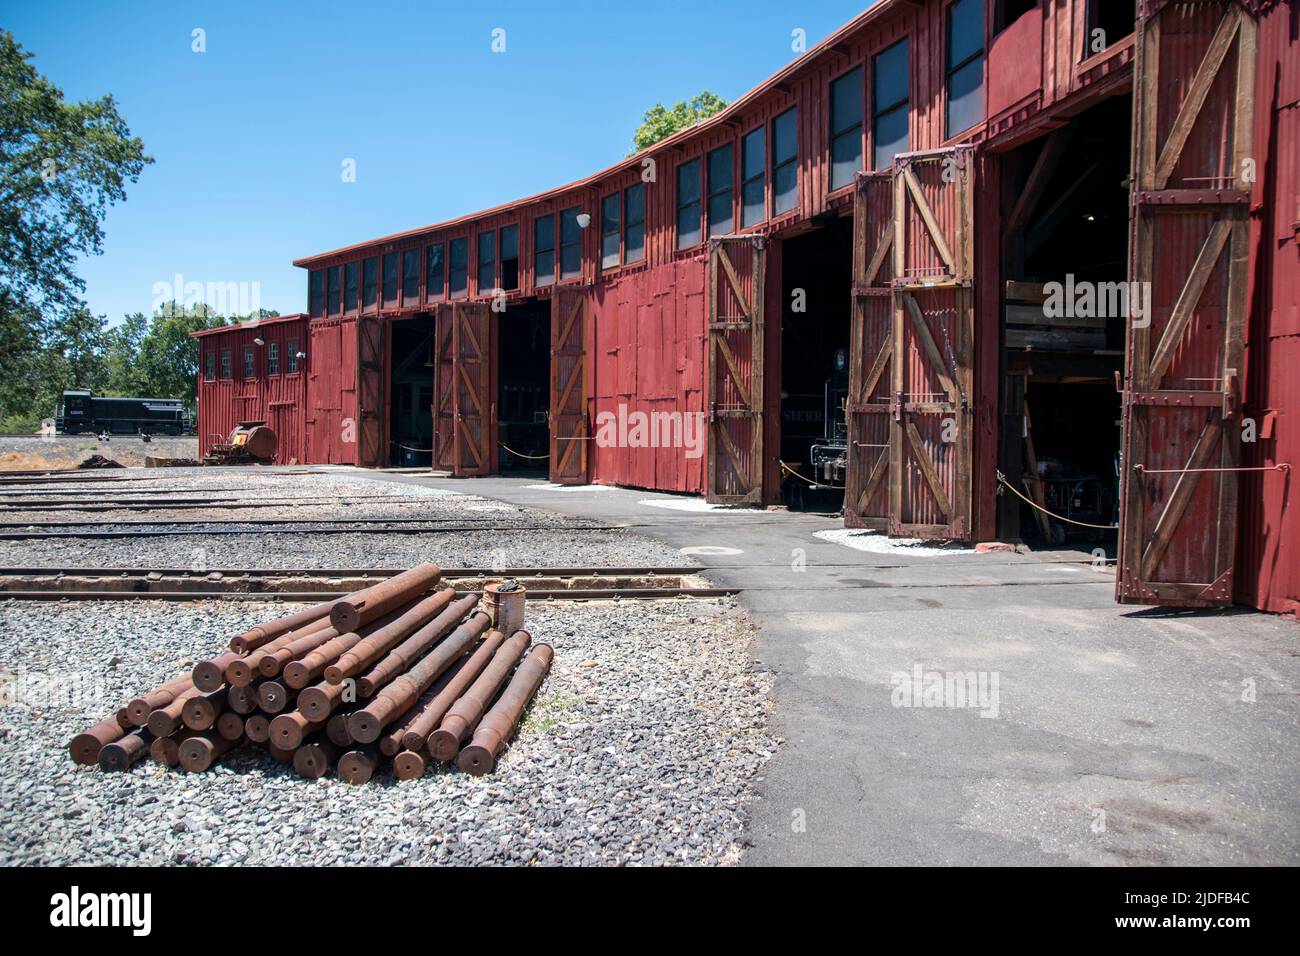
(331, 418)
(279, 399)
(1268, 559)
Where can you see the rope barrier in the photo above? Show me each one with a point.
(1082, 524)
(408, 447)
(810, 484)
(521, 455)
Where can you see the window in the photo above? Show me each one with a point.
(225, 363)
(249, 362)
(369, 284)
(846, 128)
(509, 257)
(610, 219)
(459, 267)
(316, 293)
(334, 290)
(544, 250)
(389, 278)
(273, 358)
(570, 244)
(722, 213)
(753, 177)
(785, 168)
(1108, 22)
(209, 365)
(350, 287)
(433, 272)
(291, 352)
(634, 223)
(487, 261)
(965, 65)
(688, 204)
(890, 80)
(411, 277)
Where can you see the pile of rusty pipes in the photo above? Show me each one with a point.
(405, 669)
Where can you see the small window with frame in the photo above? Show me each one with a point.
(291, 355)
(611, 217)
(688, 205)
(272, 358)
(543, 251)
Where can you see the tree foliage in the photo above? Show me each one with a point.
(660, 122)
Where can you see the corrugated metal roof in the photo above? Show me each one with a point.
(775, 81)
(259, 323)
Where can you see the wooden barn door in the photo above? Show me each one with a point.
(930, 432)
(1190, 199)
(735, 370)
(871, 348)
(371, 392)
(568, 414)
(474, 447)
(444, 392)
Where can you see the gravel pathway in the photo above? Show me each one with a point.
(640, 748)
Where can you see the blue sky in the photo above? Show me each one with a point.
(249, 137)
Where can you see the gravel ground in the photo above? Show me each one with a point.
(640, 748)
(535, 538)
(30, 452)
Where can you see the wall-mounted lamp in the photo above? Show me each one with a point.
(301, 355)
(583, 219)
(259, 341)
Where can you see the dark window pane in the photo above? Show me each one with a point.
(510, 257)
(720, 166)
(721, 205)
(316, 293)
(544, 251)
(891, 137)
(369, 283)
(487, 261)
(334, 290)
(784, 142)
(410, 277)
(272, 358)
(389, 279)
(225, 363)
(634, 203)
(785, 186)
(209, 365)
(890, 77)
(433, 269)
(688, 204)
(634, 243)
(248, 361)
(688, 225)
(785, 169)
(350, 287)
(755, 208)
(966, 97)
(965, 30)
(688, 182)
(846, 101)
(458, 266)
(846, 157)
(291, 354)
(570, 243)
(609, 230)
(752, 155)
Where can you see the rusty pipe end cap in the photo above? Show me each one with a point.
(443, 745)
(364, 727)
(239, 673)
(476, 760)
(355, 768)
(408, 765)
(334, 674)
(207, 676)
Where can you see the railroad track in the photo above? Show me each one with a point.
(321, 584)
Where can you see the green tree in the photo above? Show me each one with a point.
(661, 122)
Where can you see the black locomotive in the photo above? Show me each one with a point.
(83, 411)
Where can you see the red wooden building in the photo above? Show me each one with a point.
(1023, 221)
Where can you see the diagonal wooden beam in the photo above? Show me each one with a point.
(882, 250)
(873, 482)
(937, 361)
(877, 369)
(1197, 92)
(720, 429)
(729, 357)
(1036, 184)
(1188, 298)
(922, 455)
(1206, 445)
(734, 281)
(927, 216)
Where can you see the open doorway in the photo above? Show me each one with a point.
(1065, 306)
(523, 389)
(816, 297)
(410, 424)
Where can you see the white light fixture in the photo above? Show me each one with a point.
(301, 355)
(259, 341)
(584, 220)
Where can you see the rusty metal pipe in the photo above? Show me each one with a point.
(272, 663)
(409, 765)
(287, 731)
(498, 723)
(358, 766)
(278, 754)
(164, 721)
(351, 612)
(123, 718)
(230, 725)
(201, 751)
(401, 695)
(85, 747)
(258, 728)
(336, 729)
(263, 634)
(140, 708)
(300, 673)
(320, 700)
(165, 751)
(201, 711)
(448, 690)
(242, 670)
(465, 714)
(272, 697)
(365, 653)
(123, 753)
(315, 757)
(401, 657)
(209, 675)
(242, 700)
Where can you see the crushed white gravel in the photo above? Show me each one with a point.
(640, 749)
(877, 543)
